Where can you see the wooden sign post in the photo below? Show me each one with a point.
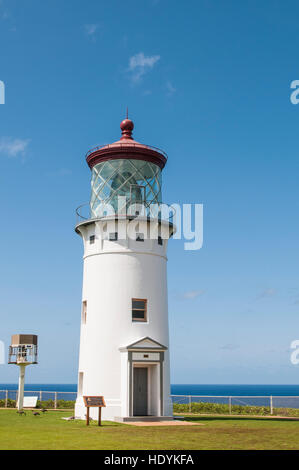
(96, 402)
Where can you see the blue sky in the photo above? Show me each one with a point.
(207, 81)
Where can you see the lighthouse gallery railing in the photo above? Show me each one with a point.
(163, 212)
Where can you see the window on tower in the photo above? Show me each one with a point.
(84, 311)
(113, 237)
(160, 240)
(80, 384)
(139, 237)
(92, 239)
(139, 310)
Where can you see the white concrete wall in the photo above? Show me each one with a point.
(114, 273)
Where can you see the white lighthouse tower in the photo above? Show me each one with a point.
(124, 343)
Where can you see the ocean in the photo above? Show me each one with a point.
(185, 389)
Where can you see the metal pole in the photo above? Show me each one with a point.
(271, 405)
(6, 398)
(55, 401)
(230, 405)
(40, 396)
(21, 387)
(190, 404)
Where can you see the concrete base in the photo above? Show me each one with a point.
(135, 419)
(112, 409)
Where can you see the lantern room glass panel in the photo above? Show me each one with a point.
(136, 181)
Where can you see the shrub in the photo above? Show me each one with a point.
(10, 403)
(221, 408)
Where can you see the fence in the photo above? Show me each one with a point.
(46, 399)
(259, 405)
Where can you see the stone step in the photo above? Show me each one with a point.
(132, 419)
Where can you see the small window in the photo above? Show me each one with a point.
(92, 239)
(160, 240)
(80, 384)
(84, 311)
(113, 237)
(139, 237)
(139, 310)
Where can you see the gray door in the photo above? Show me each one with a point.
(140, 391)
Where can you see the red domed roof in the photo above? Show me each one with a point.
(126, 147)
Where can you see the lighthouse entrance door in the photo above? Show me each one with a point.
(140, 391)
(143, 367)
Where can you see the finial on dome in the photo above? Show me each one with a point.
(127, 127)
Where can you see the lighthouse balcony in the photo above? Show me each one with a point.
(129, 209)
(125, 147)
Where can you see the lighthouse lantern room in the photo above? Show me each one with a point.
(124, 342)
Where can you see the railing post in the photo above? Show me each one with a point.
(55, 401)
(40, 396)
(230, 405)
(271, 405)
(190, 403)
(6, 398)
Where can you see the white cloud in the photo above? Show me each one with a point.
(13, 147)
(2, 353)
(4, 14)
(192, 294)
(91, 29)
(170, 88)
(61, 172)
(139, 64)
(266, 293)
(230, 347)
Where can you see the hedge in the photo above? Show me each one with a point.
(218, 408)
(196, 408)
(64, 404)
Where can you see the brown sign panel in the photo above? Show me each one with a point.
(97, 402)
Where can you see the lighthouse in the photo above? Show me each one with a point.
(124, 339)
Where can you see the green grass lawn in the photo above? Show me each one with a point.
(49, 431)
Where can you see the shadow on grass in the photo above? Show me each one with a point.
(94, 424)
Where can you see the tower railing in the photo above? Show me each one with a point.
(126, 146)
(161, 211)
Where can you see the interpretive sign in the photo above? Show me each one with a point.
(94, 402)
(30, 402)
